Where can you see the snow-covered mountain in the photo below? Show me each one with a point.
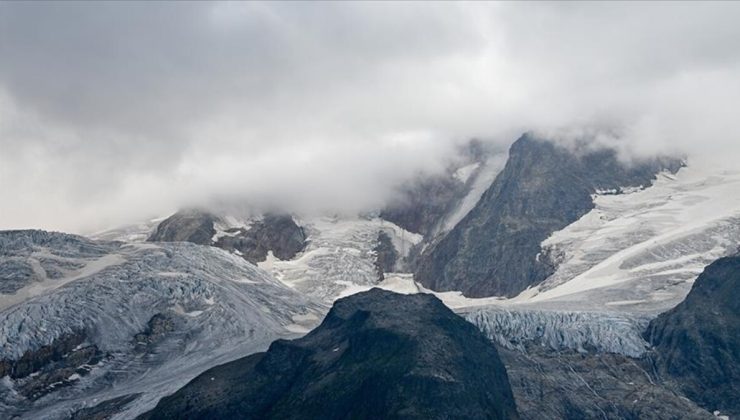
(636, 252)
(116, 322)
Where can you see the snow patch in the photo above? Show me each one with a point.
(478, 185)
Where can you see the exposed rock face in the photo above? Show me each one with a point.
(698, 342)
(377, 354)
(156, 330)
(41, 371)
(194, 226)
(33, 360)
(567, 385)
(277, 233)
(581, 365)
(495, 250)
(385, 255)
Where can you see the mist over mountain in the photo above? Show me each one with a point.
(369, 210)
(329, 107)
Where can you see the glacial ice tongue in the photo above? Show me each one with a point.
(560, 330)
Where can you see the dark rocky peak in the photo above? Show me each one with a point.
(191, 225)
(697, 343)
(495, 250)
(377, 354)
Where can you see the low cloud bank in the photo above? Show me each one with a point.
(114, 112)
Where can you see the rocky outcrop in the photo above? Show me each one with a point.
(191, 225)
(496, 249)
(697, 343)
(41, 371)
(278, 233)
(385, 255)
(377, 354)
(156, 330)
(33, 360)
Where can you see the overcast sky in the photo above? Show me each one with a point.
(114, 112)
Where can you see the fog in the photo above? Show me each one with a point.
(116, 112)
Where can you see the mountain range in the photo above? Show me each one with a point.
(542, 282)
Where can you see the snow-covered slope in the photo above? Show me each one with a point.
(136, 232)
(339, 256)
(634, 255)
(642, 250)
(482, 175)
(215, 307)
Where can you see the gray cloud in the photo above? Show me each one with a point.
(116, 111)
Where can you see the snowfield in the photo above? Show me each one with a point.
(641, 251)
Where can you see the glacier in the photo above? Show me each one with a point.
(221, 306)
(600, 332)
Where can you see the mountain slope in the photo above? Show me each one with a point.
(641, 251)
(377, 354)
(495, 249)
(698, 341)
(93, 320)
